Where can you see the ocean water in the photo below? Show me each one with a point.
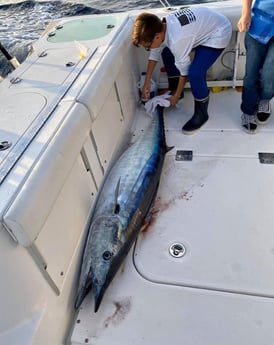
(22, 22)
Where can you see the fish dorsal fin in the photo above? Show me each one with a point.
(116, 207)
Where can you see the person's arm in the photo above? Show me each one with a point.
(245, 20)
(175, 98)
(181, 51)
(146, 88)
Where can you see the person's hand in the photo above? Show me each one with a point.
(174, 99)
(146, 90)
(244, 23)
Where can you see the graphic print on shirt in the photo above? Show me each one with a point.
(185, 16)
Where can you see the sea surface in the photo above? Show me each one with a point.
(22, 22)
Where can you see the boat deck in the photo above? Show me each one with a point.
(215, 202)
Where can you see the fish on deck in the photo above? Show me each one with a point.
(121, 208)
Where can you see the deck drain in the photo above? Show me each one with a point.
(4, 145)
(177, 250)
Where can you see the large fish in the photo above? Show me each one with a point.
(121, 208)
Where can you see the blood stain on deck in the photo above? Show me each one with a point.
(122, 308)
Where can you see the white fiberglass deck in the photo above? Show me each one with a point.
(220, 207)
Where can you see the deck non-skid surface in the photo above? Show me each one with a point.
(219, 206)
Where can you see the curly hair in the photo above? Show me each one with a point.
(146, 26)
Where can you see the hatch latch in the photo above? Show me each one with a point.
(184, 155)
(266, 157)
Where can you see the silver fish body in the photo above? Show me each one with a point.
(122, 205)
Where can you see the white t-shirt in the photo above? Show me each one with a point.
(189, 28)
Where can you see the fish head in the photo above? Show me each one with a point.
(106, 246)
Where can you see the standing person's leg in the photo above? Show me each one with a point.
(266, 85)
(203, 59)
(255, 55)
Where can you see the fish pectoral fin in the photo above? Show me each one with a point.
(116, 207)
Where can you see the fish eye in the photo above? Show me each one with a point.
(107, 255)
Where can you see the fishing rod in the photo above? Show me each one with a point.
(12, 60)
(165, 4)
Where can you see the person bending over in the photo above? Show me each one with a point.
(175, 36)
